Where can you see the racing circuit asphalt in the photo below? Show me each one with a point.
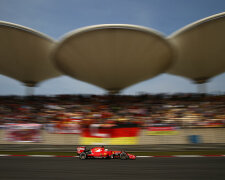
(154, 168)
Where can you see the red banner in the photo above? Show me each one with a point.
(109, 134)
(161, 128)
(23, 132)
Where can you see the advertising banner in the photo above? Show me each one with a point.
(110, 134)
(23, 132)
(215, 124)
(162, 131)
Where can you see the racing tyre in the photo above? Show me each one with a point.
(83, 156)
(123, 156)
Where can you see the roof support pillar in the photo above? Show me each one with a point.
(29, 91)
(201, 85)
(202, 88)
(29, 88)
(113, 91)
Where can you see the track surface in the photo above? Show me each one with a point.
(61, 168)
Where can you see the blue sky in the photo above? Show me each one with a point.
(57, 17)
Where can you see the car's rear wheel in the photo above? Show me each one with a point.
(83, 156)
(123, 156)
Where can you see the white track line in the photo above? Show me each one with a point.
(144, 156)
(4, 155)
(41, 155)
(188, 156)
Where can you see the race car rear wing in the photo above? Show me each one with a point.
(80, 149)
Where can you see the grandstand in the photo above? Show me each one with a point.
(113, 57)
(162, 115)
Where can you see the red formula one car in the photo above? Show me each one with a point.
(101, 152)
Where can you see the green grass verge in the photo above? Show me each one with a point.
(211, 152)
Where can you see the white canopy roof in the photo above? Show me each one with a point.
(25, 54)
(200, 49)
(113, 56)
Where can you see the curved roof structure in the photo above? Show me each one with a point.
(200, 49)
(113, 56)
(25, 54)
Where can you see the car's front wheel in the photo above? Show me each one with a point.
(83, 156)
(123, 156)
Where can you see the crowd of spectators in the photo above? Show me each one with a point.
(179, 110)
